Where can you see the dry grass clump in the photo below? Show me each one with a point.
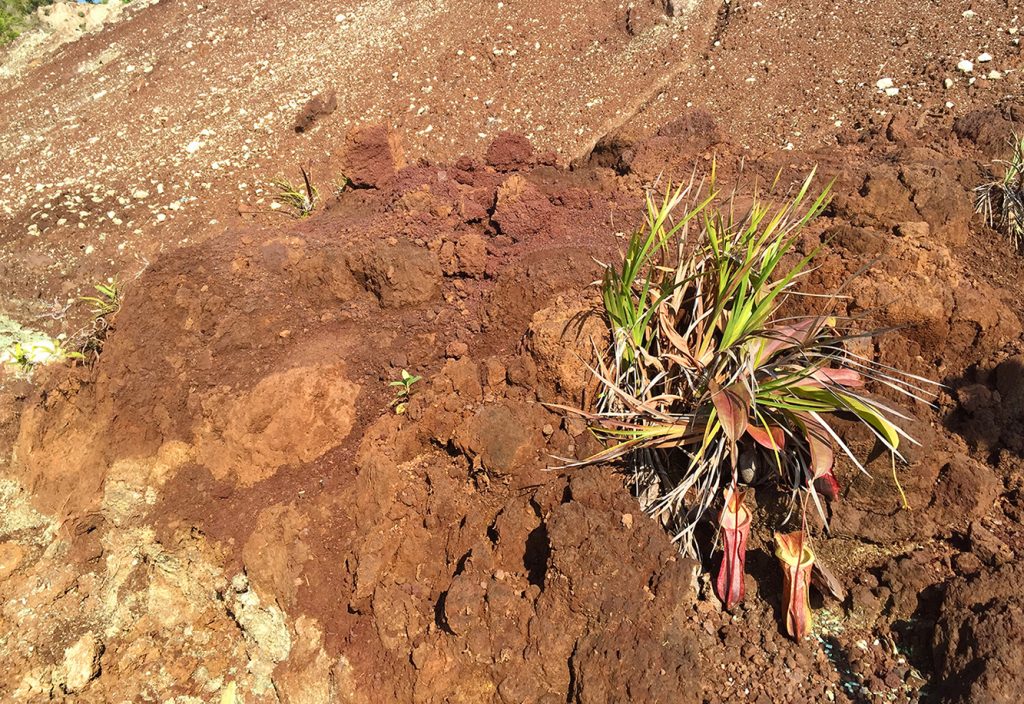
(1001, 200)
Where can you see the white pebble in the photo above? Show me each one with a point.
(948, 83)
(965, 66)
(984, 58)
(892, 91)
(884, 83)
(994, 75)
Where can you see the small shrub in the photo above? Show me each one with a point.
(15, 17)
(1001, 201)
(709, 386)
(8, 28)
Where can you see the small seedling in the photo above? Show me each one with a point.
(299, 199)
(401, 401)
(107, 302)
(103, 306)
(1001, 201)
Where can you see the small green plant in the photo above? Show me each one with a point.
(1001, 201)
(404, 390)
(108, 300)
(103, 306)
(300, 200)
(28, 355)
(710, 386)
(8, 28)
(24, 349)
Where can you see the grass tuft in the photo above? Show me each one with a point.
(300, 200)
(1001, 201)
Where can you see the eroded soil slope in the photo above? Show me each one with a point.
(226, 499)
(226, 496)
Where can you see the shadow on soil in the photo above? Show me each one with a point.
(988, 408)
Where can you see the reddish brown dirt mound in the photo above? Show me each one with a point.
(227, 498)
(236, 502)
(979, 638)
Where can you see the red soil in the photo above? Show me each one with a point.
(225, 496)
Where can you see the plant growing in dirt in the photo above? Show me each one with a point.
(709, 386)
(796, 559)
(107, 301)
(103, 306)
(300, 200)
(26, 356)
(1001, 200)
(404, 391)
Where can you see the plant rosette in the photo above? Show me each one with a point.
(796, 559)
(734, 521)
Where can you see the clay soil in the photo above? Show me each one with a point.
(225, 500)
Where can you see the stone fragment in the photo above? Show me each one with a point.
(82, 662)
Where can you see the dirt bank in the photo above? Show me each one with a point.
(226, 496)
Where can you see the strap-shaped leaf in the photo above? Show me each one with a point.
(870, 415)
(861, 408)
(774, 438)
(843, 377)
(733, 406)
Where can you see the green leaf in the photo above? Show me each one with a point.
(861, 408)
